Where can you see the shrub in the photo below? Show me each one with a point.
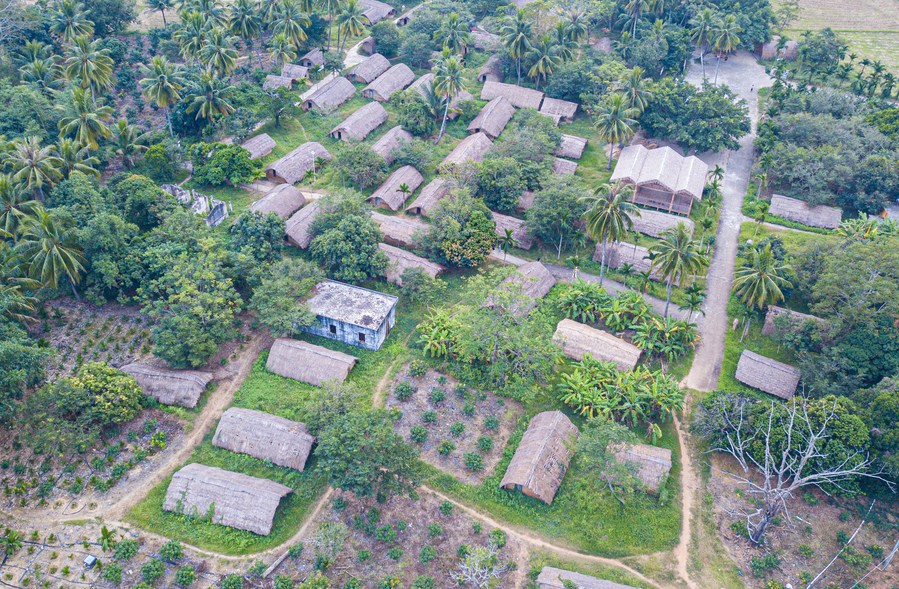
(404, 390)
(392, 582)
(386, 534)
(446, 508)
(171, 551)
(497, 537)
(363, 555)
(283, 582)
(417, 368)
(429, 416)
(457, 429)
(112, 572)
(185, 576)
(842, 537)
(491, 422)
(473, 461)
(232, 581)
(418, 434)
(485, 444)
(395, 553)
(761, 565)
(126, 549)
(463, 550)
(426, 554)
(423, 583)
(445, 448)
(437, 396)
(806, 551)
(339, 505)
(152, 570)
(739, 528)
(774, 584)
(844, 516)
(353, 583)
(468, 410)
(434, 529)
(876, 551)
(257, 570)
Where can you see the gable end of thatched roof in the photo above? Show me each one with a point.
(542, 457)
(169, 387)
(578, 339)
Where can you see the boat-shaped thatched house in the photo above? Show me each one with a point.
(493, 118)
(571, 147)
(297, 227)
(389, 83)
(526, 201)
(542, 457)
(169, 387)
(399, 230)
(401, 260)
(231, 499)
(535, 283)
(429, 196)
(560, 110)
(553, 578)
(578, 340)
(563, 167)
(358, 125)
(518, 227)
(491, 71)
(294, 72)
(621, 253)
(655, 223)
(294, 166)
(369, 70)
(313, 59)
(307, 362)
(389, 195)
(662, 178)
(768, 375)
(351, 314)
(650, 464)
(330, 96)
(264, 436)
(259, 146)
(274, 82)
(472, 149)
(283, 200)
(791, 320)
(518, 96)
(798, 211)
(387, 145)
(483, 40)
(374, 11)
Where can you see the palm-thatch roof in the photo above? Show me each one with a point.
(564, 167)
(283, 200)
(264, 436)
(307, 362)
(661, 168)
(297, 227)
(491, 71)
(571, 147)
(294, 166)
(232, 499)
(369, 70)
(535, 280)
(169, 387)
(526, 200)
(313, 59)
(358, 125)
(401, 260)
(374, 11)
(562, 109)
(578, 339)
(399, 230)
(769, 51)
(792, 319)
(471, 149)
(621, 253)
(768, 375)
(518, 96)
(485, 41)
(294, 72)
(272, 82)
(650, 464)
(259, 146)
(404, 18)
(493, 118)
(367, 46)
(429, 196)
(518, 227)
(390, 142)
(330, 96)
(798, 211)
(552, 578)
(389, 194)
(389, 83)
(422, 84)
(655, 223)
(542, 456)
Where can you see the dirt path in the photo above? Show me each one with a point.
(689, 487)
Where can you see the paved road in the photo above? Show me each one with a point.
(745, 76)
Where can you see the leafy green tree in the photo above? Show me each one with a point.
(278, 300)
(361, 165)
(499, 183)
(555, 216)
(259, 236)
(386, 37)
(675, 257)
(462, 232)
(349, 251)
(414, 114)
(609, 217)
(595, 454)
(22, 362)
(140, 200)
(111, 17)
(217, 164)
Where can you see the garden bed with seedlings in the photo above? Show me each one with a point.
(459, 430)
(419, 543)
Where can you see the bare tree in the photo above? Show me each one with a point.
(480, 566)
(10, 18)
(780, 454)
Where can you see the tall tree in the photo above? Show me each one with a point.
(609, 217)
(88, 64)
(162, 85)
(219, 55)
(245, 21)
(448, 83)
(758, 282)
(75, 157)
(637, 89)
(516, 37)
(161, 6)
(331, 7)
(453, 34)
(546, 59)
(84, 119)
(33, 166)
(15, 207)
(350, 22)
(615, 122)
(191, 34)
(69, 20)
(208, 97)
(281, 50)
(675, 257)
(50, 250)
(127, 141)
(701, 31)
(727, 39)
(291, 21)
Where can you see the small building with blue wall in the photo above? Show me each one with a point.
(351, 314)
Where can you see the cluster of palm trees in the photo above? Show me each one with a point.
(546, 50)
(616, 117)
(877, 81)
(712, 32)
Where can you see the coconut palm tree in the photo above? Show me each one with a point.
(758, 282)
(636, 88)
(208, 97)
(563, 44)
(212, 11)
(245, 21)
(33, 167)
(576, 26)
(546, 59)
(634, 8)
(191, 34)
(32, 50)
(83, 119)
(609, 217)
(702, 27)
(68, 20)
(453, 32)
(43, 74)
(330, 7)
(615, 122)
(290, 20)
(693, 302)
(89, 65)
(219, 55)
(128, 141)
(281, 50)
(75, 157)
(516, 37)
(350, 22)
(676, 256)
(15, 205)
(727, 39)
(161, 6)
(162, 84)
(448, 83)
(49, 249)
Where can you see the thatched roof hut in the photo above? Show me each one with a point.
(571, 147)
(403, 19)
(313, 59)
(561, 109)
(259, 146)
(274, 82)
(493, 118)
(552, 578)
(422, 84)
(768, 375)
(655, 223)
(471, 149)
(297, 227)
(578, 339)
(169, 387)
(401, 260)
(374, 11)
(390, 142)
(330, 96)
(542, 456)
(491, 71)
(485, 41)
(399, 230)
(650, 464)
(429, 196)
(264, 436)
(519, 230)
(793, 319)
(283, 200)
(389, 195)
(535, 280)
(526, 200)
(663, 178)
(389, 83)
(294, 72)
(294, 166)
(234, 499)
(564, 167)
(358, 125)
(518, 96)
(798, 211)
(307, 362)
(369, 70)
(621, 253)
(368, 46)
(768, 51)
